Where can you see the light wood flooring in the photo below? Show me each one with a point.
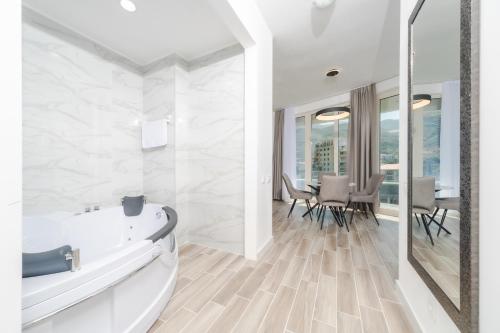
(441, 261)
(308, 280)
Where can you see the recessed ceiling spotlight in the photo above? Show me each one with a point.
(322, 3)
(128, 5)
(333, 72)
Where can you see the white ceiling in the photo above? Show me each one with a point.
(436, 45)
(359, 36)
(157, 29)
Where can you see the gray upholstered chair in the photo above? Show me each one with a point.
(316, 190)
(323, 173)
(334, 195)
(369, 196)
(296, 194)
(446, 204)
(423, 200)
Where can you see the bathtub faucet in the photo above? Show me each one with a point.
(74, 256)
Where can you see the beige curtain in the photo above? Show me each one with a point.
(363, 136)
(279, 117)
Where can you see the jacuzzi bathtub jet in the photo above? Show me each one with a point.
(128, 271)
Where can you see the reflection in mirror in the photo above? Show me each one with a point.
(435, 121)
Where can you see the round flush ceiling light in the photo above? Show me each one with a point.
(128, 5)
(333, 113)
(322, 3)
(421, 100)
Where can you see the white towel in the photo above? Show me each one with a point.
(154, 133)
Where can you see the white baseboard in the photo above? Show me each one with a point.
(264, 248)
(409, 311)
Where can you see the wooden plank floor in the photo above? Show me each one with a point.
(441, 260)
(309, 280)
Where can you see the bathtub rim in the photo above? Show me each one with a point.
(117, 275)
(168, 227)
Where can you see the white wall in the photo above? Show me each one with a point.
(82, 136)
(381, 87)
(209, 153)
(428, 312)
(244, 19)
(81, 127)
(10, 175)
(489, 226)
(289, 149)
(159, 163)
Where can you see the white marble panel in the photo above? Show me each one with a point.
(69, 132)
(127, 175)
(82, 136)
(210, 154)
(159, 163)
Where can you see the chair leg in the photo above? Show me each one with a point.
(426, 226)
(442, 221)
(335, 217)
(339, 216)
(365, 210)
(441, 227)
(308, 203)
(373, 213)
(311, 209)
(416, 216)
(291, 209)
(321, 210)
(352, 213)
(323, 217)
(347, 206)
(342, 212)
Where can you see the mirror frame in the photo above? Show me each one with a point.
(467, 317)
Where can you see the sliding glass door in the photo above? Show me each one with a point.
(321, 147)
(389, 152)
(324, 140)
(300, 155)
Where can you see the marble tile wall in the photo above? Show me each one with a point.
(210, 153)
(82, 136)
(81, 139)
(159, 163)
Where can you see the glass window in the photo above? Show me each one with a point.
(431, 140)
(389, 150)
(343, 139)
(300, 154)
(324, 141)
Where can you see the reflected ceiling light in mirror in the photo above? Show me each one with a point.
(322, 3)
(128, 5)
(333, 113)
(421, 100)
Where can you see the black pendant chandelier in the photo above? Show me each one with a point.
(333, 113)
(421, 100)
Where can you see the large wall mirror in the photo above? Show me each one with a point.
(442, 133)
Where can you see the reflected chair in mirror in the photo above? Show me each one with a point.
(446, 204)
(334, 195)
(296, 194)
(368, 197)
(423, 201)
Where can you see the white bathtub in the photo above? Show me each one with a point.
(128, 271)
